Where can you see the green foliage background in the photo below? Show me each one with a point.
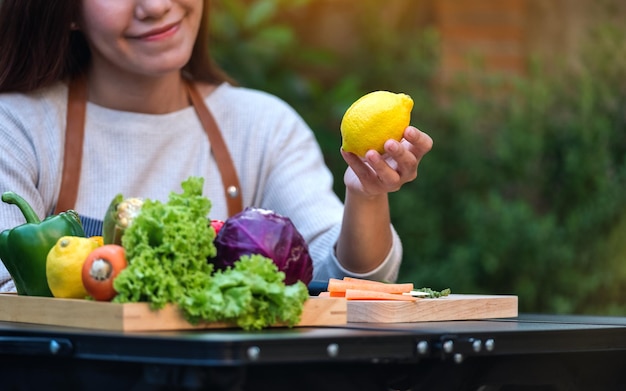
(523, 192)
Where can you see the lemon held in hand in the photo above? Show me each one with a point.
(64, 266)
(373, 119)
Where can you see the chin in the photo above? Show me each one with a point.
(162, 67)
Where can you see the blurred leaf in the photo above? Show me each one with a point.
(259, 13)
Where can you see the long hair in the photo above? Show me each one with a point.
(38, 47)
(201, 66)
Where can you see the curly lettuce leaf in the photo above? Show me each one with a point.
(167, 248)
(251, 294)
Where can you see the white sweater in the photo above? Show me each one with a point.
(278, 160)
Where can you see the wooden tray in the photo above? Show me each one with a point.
(139, 316)
(452, 307)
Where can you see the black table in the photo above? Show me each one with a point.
(534, 352)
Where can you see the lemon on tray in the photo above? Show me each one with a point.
(373, 119)
(64, 266)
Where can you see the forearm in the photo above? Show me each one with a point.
(366, 238)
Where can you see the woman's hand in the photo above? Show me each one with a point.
(381, 174)
(366, 236)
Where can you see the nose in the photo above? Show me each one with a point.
(150, 9)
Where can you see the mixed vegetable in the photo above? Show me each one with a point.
(154, 252)
(24, 249)
(250, 270)
(360, 289)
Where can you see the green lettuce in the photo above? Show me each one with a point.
(167, 247)
(251, 294)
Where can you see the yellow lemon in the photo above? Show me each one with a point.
(373, 119)
(64, 266)
(99, 240)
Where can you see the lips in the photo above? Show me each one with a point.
(159, 32)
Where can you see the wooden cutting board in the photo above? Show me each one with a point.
(452, 307)
(139, 316)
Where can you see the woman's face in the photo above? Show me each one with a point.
(142, 37)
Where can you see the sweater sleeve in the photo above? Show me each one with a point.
(18, 174)
(29, 156)
(329, 266)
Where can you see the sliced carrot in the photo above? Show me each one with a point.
(336, 285)
(332, 294)
(361, 280)
(360, 294)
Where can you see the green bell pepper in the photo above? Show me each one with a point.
(24, 249)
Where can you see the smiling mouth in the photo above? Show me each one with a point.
(159, 33)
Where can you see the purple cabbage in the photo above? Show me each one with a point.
(264, 232)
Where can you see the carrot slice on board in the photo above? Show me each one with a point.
(337, 294)
(336, 285)
(360, 294)
(362, 281)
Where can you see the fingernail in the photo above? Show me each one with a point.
(372, 157)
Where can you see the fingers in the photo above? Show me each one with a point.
(405, 156)
(420, 142)
(388, 172)
(360, 168)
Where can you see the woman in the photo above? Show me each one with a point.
(142, 137)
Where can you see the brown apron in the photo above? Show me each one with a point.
(74, 137)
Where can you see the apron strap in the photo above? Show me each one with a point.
(232, 188)
(74, 137)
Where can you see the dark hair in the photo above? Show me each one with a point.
(38, 47)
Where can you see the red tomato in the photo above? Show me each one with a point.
(100, 268)
(217, 225)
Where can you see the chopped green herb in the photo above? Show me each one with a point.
(432, 294)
